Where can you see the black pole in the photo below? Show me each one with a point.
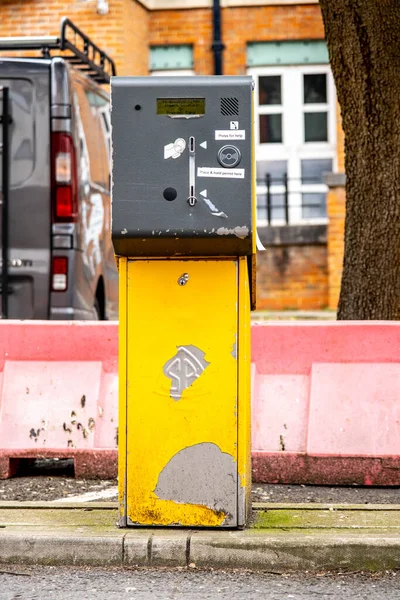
(268, 182)
(4, 221)
(217, 45)
(286, 184)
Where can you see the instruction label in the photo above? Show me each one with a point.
(223, 173)
(230, 134)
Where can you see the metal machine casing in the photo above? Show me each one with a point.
(183, 232)
(160, 160)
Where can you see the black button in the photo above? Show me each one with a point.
(170, 194)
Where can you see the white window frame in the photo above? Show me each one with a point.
(294, 149)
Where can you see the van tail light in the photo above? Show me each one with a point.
(64, 178)
(59, 274)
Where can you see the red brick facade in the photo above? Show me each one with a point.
(296, 276)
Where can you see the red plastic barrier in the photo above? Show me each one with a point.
(59, 394)
(326, 404)
(325, 399)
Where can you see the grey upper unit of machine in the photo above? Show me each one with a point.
(182, 166)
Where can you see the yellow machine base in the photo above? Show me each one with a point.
(184, 430)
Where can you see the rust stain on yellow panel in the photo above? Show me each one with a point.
(182, 331)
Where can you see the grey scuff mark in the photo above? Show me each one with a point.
(214, 210)
(234, 348)
(282, 443)
(240, 231)
(67, 429)
(241, 505)
(34, 433)
(184, 368)
(83, 401)
(201, 474)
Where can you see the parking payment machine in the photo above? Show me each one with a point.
(184, 234)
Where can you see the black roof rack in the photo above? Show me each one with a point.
(84, 54)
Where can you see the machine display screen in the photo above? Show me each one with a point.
(181, 106)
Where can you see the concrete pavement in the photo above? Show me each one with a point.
(282, 538)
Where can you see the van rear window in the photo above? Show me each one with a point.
(22, 129)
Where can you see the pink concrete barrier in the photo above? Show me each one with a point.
(326, 404)
(58, 395)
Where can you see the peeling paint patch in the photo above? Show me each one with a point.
(184, 368)
(234, 348)
(214, 210)
(34, 433)
(202, 475)
(240, 231)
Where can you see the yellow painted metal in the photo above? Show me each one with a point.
(244, 393)
(210, 312)
(162, 317)
(122, 402)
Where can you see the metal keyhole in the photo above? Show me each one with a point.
(183, 279)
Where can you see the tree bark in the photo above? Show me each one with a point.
(363, 38)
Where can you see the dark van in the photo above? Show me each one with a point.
(57, 259)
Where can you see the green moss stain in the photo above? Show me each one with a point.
(266, 519)
(61, 518)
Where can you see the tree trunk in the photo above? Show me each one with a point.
(363, 38)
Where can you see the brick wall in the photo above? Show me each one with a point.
(185, 27)
(239, 26)
(292, 277)
(336, 209)
(122, 33)
(135, 54)
(266, 23)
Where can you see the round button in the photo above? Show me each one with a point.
(170, 194)
(229, 156)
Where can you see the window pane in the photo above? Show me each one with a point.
(315, 89)
(275, 168)
(262, 207)
(312, 171)
(270, 129)
(270, 90)
(313, 206)
(316, 127)
(277, 207)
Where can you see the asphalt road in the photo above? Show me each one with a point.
(37, 583)
(53, 480)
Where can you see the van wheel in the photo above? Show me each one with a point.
(97, 309)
